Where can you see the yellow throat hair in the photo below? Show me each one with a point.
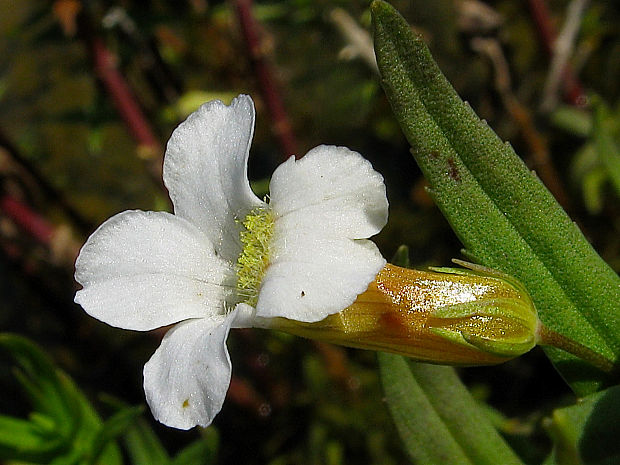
(254, 259)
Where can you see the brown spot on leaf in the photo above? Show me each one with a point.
(453, 171)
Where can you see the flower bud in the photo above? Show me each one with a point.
(445, 316)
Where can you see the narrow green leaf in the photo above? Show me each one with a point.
(88, 425)
(41, 381)
(110, 455)
(61, 410)
(71, 457)
(606, 146)
(593, 184)
(23, 440)
(200, 452)
(467, 421)
(587, 433)
(501, 212)
(438, 420)
(401, 257)
(424, 435)
(140, 440)
(113, 427)
(143, 445)
(573, 120)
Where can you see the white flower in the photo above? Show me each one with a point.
(227, 259)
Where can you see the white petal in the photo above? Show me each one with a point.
(311, 277)
(142, 270)
(331, 190)
(245, 316)
(205, 171)
(186, 379)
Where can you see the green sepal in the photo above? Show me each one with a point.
(503, 348)
(509, 348)
(500, 307)
(453, 336)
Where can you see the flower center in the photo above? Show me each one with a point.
(254, 258)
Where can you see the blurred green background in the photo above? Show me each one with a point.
(70, 158)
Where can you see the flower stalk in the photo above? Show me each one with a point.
(548, 337)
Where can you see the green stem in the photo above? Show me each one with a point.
(548, 337)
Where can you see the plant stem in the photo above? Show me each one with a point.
(548, 337)
(46, 187)
(105, 67)
(266, 79)
(27, 219)
(573, 90)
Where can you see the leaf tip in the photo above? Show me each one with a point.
(380, 12)
(377, 6)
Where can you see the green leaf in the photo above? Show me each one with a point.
(27, 440)
(143, 445)
(141, 442)
(438, 420)
(55, 417)
(113, 427)
(67, 424)
(573, 120)
(504, 216)
(605, 144)
(401, 257)
(200, 452)
(587, 433)
(47, 388)
(592, 186)
(85, 437)
(425, 437)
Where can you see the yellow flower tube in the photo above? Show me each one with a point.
(444, 316)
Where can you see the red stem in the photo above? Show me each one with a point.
(250, 29)
(121, 94)
(30, 221)
(572, 88)
(42, 183)
(545, 28)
